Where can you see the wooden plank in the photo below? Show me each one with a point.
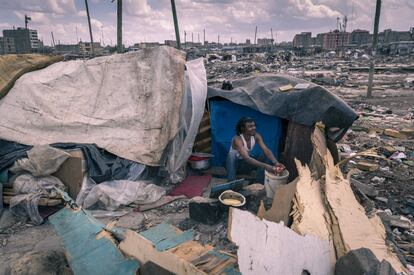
(356, 230)
(42, 201)
(297, 146)
(282, 203)
(309, 213)
(271, 248)
(140, 248)
(90, 249)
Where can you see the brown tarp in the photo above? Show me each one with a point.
(13, 66)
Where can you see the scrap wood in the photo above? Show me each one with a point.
(179, 259)
(267, 247)
(349, 221)
(281, 205)
(372, 152)
(42, 202)
(310, 215)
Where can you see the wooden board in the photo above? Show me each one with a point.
(137, 246)
(42, 201)
(349, 223)
(188, 257)
(271, 248)
(309, 213)
(282, 203)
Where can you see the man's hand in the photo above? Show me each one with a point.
(279, 168)
(269, 168)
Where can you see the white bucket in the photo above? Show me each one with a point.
(272, 181)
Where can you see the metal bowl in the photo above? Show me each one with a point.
(200, 161)
(200, 164)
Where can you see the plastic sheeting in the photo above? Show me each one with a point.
(191, 113)
(125, 103)
(36, 181)
(102, 166)
(41, 160)
(305, 107)
(30, 189)
(115, 193)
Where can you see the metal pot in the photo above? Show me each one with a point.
(200, 161)
(200, 164)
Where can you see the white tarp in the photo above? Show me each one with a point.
(128, 104)
(192, 109)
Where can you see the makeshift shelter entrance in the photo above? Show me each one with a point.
(224, 117)
(287, 117)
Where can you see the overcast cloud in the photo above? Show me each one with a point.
(146, 20)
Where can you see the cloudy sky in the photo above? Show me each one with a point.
(151, 20)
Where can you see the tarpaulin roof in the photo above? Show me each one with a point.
(128, 104)
(305, 106)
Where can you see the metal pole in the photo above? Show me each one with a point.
(255, 34)
(90, 28)
(374, 48)
(177, 31)
(204, 36)
(119, 27)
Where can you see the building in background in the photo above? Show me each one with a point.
(24, 40)
(359, 37)
(265, 41)
(302, 40)
(85, 48)
(7, 45)
(21, 39)
(335, 40)
(171, 43)
(34, 40)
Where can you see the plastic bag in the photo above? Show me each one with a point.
(115, 193)
(27, 184)
(26, 206)
(191, 113)
(87, 185)
(41, 160)
(137, 171)
(30, 189)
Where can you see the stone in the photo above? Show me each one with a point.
(205, 210)
(382, 199)
(394, 133)
(367, 166)
(364, 188)
(359, 261)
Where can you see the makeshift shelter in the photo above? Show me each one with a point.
(285, 118)
(141, 106)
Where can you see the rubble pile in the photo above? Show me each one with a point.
(234, 70)
(385, 174)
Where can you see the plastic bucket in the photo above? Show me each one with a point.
(272, 181)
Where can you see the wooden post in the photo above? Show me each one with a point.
(177, 31)
(119, 27)
(374, 48)
(90, 28)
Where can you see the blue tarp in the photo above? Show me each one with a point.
(224, 115)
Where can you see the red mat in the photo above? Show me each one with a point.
(191, 186)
